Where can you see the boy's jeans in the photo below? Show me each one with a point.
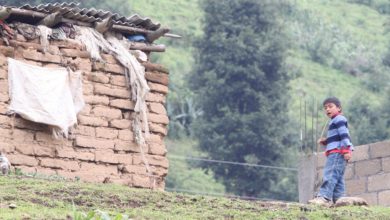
(333, 185)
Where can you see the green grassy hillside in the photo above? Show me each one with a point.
(31, 198)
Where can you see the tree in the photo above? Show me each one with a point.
(242, 90)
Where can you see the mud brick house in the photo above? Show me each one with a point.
(109, 121)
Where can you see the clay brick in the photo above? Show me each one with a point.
(36, 56)
(85, 155)
(127, 146)
(25, 148)
(367, 167)
(142, 181)
(125, 158)
(5, 121)
(3, 108)
(371, 198)
(66, 152)
(384, 198)
(155, 138)
(108, 67)
(154, 67)
(158, 128)
(7, 148)
(108, 133)
(22, 136)
(4, 97)
(153, 160)
(74, 53)
(44, 137)
(156, 97)
(86, 110)
(19, 159)
(60, 164)
(126, 135)
(154, 87)
(135, 169)
(159, 171)
(122, 104)
(82, 64)
(349, 171)
(157, 149)
(106, 156)
(118, 80)
(94, 143)
(115, 92)
(157, 108)
(360, 153)
(386, 164)
(87, 88)
(96, 100)
(95, 169)
(160, 119)
(92, 121)
(3, 74)
(67, 43)
(7, 51)
(107, 112)
(157, 77)
(23, 123)
(3, 60)
(99, 77)
(380, 149)
(45, 151)
(5, 133)
(3, 86)
(108, 58)
(379, 182)
(121, 124)
(85, 130)
(356, 186)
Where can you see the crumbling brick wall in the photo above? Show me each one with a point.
(368, 174)
(102, 147)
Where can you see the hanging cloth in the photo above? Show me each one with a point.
(50, 96)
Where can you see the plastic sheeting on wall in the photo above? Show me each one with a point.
(50, 96)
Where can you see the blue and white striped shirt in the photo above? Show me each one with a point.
(338, 134)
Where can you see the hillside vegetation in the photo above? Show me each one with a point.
(32, 198)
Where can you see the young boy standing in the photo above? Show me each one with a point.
(338, 151)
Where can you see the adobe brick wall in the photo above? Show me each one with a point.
(102, 148)
(368, 174)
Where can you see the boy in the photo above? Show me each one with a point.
(338, 151)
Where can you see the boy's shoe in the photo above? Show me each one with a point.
(320, 201)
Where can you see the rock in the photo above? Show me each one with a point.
(12, 206)
(350, 201)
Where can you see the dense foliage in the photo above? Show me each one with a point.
(242, 89)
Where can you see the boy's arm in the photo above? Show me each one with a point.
(342, 129)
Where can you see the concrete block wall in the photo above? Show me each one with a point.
(102, 147)
(368, 174)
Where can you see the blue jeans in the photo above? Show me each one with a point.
(333, 185)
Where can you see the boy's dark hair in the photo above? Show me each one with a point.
(333, 100)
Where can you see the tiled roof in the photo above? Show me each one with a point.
(91, 15)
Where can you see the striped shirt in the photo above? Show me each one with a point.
(338, 134)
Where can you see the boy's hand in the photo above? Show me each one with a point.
(322, 141)
(348, 156)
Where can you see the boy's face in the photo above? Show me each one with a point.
(331, 109)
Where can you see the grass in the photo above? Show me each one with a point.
(47, 199)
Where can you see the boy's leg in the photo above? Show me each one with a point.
(339, 190)
(334, 168)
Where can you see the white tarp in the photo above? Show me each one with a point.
(50, 96)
